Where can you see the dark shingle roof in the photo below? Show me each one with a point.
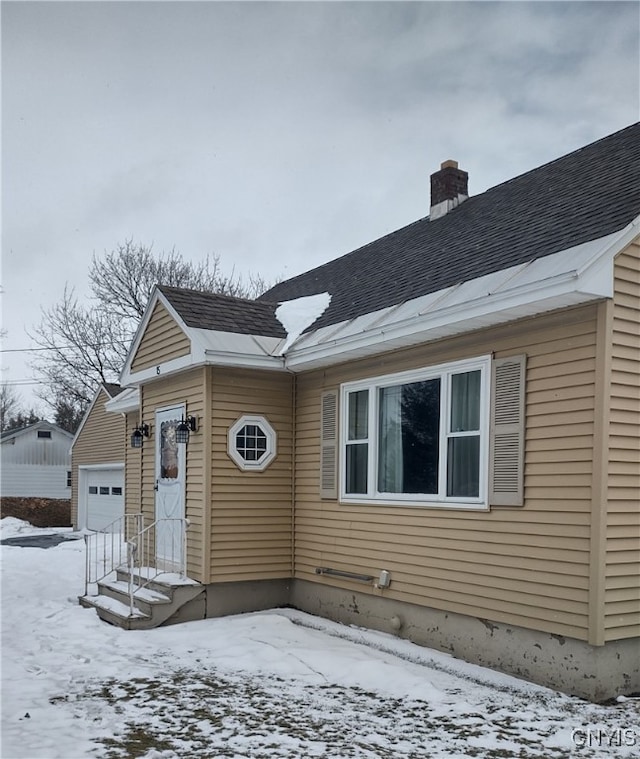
(224, 313)
(582, 196)
(112, 389)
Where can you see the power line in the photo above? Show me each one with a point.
(64, 347)
(24, 382)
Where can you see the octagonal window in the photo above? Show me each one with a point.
(252, 443)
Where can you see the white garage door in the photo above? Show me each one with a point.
(105, 497)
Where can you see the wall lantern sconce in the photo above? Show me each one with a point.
(186, 426)
(139, 434)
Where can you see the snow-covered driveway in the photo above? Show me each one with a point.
(276, 684)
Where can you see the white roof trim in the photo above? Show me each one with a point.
(207, 347)
(570, 277)
(126, 401)
(156, 296)
(576, 275)
(42, 424)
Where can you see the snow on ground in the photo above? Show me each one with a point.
(271, 684)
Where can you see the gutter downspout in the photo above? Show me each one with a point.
(294, 399)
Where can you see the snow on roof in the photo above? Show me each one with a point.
(298, 314)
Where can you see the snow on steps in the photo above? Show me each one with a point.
(166, 599)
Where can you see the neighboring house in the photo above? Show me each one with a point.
(36, 462)
(97, 462)
(443, 442)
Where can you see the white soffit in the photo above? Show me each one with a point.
(233, 349)
(570, 277)
(127, 400)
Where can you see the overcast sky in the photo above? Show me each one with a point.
(277, 135)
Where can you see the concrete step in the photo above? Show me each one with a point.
(144, 598)
(168, 599)
(117, 613)
(159, 582)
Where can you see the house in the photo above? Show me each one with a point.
(98, 455)
(36, 462)
(436, 435)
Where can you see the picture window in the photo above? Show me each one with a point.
(418, 437)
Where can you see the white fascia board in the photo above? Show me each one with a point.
(245, 361)
(577, 275)
(591, 270)
(156, 296)
(126, 401)
(447, 323)
(165, 369)
(135, 342)
(212, 341)
(209, 347)
(233, 349)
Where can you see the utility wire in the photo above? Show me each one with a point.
(64, 347)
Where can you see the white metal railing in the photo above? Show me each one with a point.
(158, 549)
(106, 551)
(144, 552)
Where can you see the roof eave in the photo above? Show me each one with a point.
(574, 276)
(244, 360)
(427, 329)
(128, 400)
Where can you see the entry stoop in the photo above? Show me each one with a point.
(167, 599)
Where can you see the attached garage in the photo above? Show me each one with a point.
(98, 453)
(104, 496)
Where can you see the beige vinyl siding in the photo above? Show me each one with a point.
(525, 566)
(251, 512)
(101, 441)
(132, 467)
(162, 341)
(188, 388)
(622, 582)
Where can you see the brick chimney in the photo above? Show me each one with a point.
(449, 187)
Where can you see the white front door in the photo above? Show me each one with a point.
(170, 488)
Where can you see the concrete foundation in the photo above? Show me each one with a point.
(595, 673)
(225, 598)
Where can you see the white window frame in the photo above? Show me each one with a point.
(269, 433)
(439, 500)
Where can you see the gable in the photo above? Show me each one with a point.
(23, 435)
(161, 341)
(102, 435)
(39, 444)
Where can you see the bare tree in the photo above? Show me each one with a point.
(125, 277)
(81, 347)
(9, 404)
(12, 414)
